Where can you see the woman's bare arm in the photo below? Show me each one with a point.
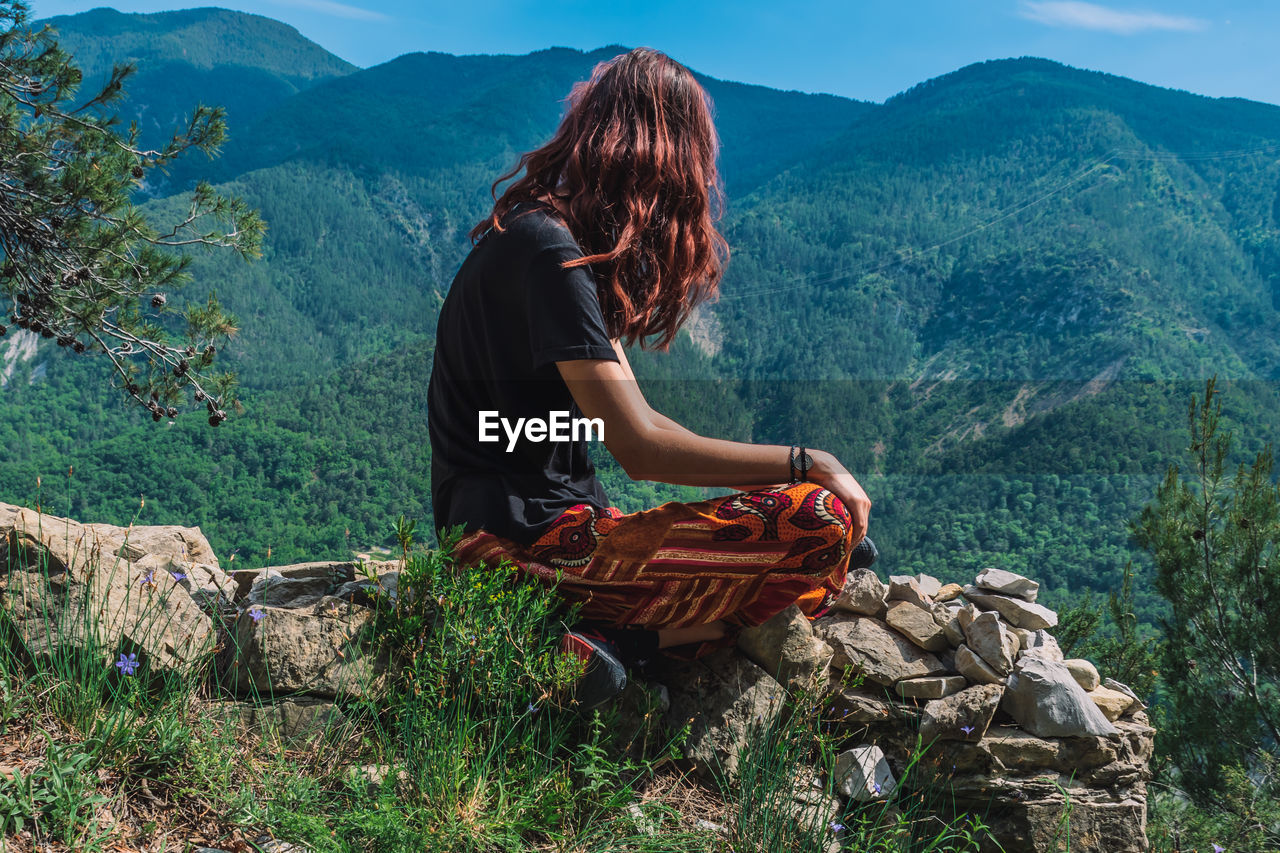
(651, 446)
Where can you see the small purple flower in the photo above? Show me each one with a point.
(178, 576)
(875, 786)
(837, 827)
(150, 579)
(968, 730)
(533, 709)
(127, 663)
(256, 613)
(1218, 848)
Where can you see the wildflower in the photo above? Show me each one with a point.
(837, 827)
(178, 576)
(127, 663)
(532, 709)
(1218, 848)
(149, 580)
(256, 613)
(875, 786)
(968, 730)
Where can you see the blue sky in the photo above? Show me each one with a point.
(866, 49)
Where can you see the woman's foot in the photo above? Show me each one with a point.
(863, 554)
(603, 677)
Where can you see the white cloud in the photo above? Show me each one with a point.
(1091, 16)
(336, 9)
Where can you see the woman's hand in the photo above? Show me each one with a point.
(835, 478)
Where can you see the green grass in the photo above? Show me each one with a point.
(473, 745)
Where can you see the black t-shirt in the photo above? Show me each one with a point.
(512, 312)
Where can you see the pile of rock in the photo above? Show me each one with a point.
(970, 672)
(927, 641)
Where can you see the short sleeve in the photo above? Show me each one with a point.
(565, 320)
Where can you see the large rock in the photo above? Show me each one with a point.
(962, 716)
(863, 593)
(992, 641)
(786, 648)
(1045, 700)
(324, 650)
(1007, 583)
(67, 585)
(917, 625)
(727, 700)
(862, 774)
(867, 646)
(1022, 614)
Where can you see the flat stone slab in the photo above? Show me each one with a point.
(930, 688)
(1019, 613)
(928, 584)
(917, 625)
(869, 646)
(1007, 583)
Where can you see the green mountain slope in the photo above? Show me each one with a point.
(245, 63)
(973, 293)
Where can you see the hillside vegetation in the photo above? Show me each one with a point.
(990, 295)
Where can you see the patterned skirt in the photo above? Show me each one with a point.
(740, 558)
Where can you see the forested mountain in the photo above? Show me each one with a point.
(245, 63)
(992, 295)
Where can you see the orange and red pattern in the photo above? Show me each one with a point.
(740, 558)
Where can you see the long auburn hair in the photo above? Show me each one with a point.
(634, 164)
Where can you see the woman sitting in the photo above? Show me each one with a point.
(609, 238)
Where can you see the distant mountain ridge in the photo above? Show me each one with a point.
(246, 63)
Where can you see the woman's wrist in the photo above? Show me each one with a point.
(825, 466)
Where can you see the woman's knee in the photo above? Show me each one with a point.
(819, 509)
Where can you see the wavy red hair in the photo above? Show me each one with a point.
(633, 167)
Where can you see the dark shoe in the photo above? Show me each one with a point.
(604, 677)
(863, 554)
